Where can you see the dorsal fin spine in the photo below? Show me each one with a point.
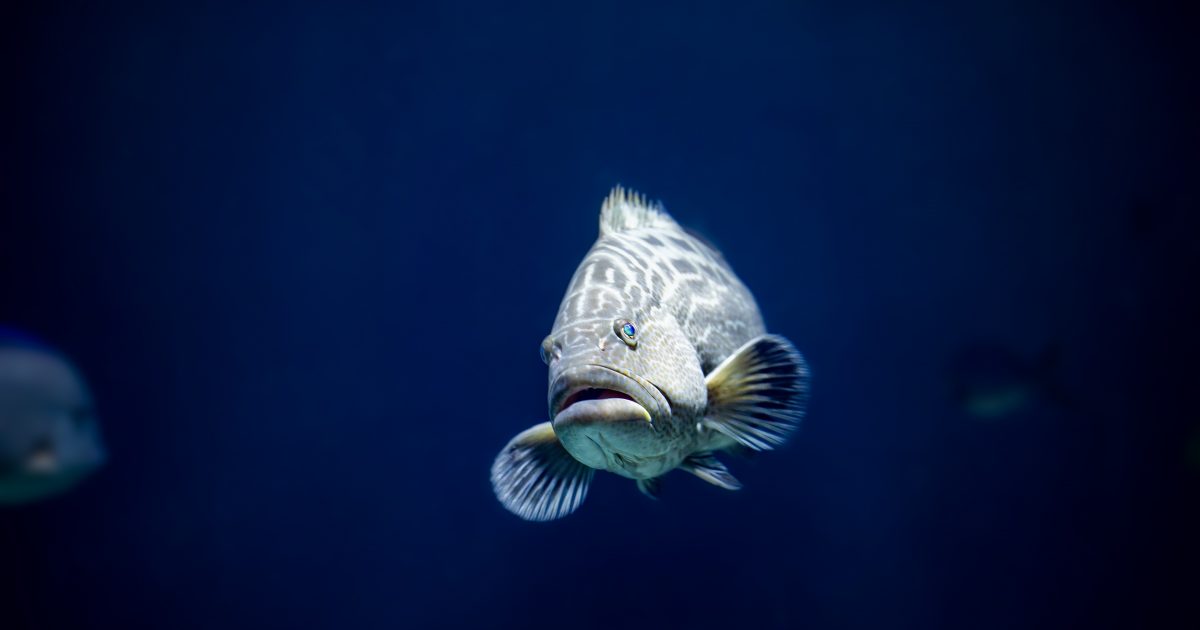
(626, 209)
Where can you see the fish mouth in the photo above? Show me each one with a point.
(43, 459)
(605, 416)
(592, 393)
(595, 382)
(41, 476)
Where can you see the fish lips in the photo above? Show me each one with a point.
(41, 481)
(605, 417)
(574, 383)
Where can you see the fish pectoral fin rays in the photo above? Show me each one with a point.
(651, 487)
(757, 395)
(710, 469)
(536, 478)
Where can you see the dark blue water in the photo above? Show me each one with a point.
(306, 258)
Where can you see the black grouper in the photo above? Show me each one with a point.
(658, 358)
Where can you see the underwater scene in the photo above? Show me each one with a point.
(599, 315)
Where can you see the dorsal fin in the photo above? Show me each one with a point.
(625, 209)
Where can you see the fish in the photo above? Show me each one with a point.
(50, 436)
(991, 382)
(1192, 450)
(658, 360)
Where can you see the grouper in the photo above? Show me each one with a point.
(49, 434)
(658, 359)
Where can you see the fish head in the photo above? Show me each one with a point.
(49, 436)
(618, 388)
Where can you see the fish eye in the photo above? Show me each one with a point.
(626, 331)
(547, 350)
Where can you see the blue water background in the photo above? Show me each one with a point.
(306, 256)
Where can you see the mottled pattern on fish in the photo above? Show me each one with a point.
(639, 271)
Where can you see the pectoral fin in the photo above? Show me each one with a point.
(757, 395)
(710, 469)
(537, 479)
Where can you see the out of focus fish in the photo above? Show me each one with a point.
(49, 437)
(1193, 450)
(990, 382)
(658, 359)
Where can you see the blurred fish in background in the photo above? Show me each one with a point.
(1193, 450)
(49, 435)
(991, 382)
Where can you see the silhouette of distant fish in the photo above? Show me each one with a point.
(49, 436)
(1193, 450)
(991, 382)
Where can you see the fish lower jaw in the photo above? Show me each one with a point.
(634, 467)
(612, 448)
(647, 469)
(33, 486)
